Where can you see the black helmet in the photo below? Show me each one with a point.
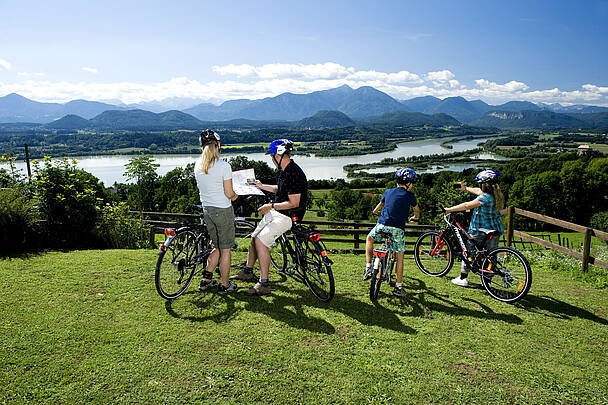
(487, 176)
(208, 136)
(407, 175)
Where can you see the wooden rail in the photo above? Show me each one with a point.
(584, 256)
(358, 230)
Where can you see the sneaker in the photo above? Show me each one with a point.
(205, 285)
(227, 290)
(463, 282)
(399, 292)
(367, 274)
(244, 276)
(258, 289)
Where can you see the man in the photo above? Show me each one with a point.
(289, 202)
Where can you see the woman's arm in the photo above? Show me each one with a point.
(469, 205)
(229, 191)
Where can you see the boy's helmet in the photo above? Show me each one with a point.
(279, 147)
(487, 176)
(407, 175)
(208, 136)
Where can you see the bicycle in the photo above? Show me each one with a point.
(308, 260)
(186, 250)
(505, 272)
(384, 262)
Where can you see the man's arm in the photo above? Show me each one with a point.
(272, 188)
(293, 202)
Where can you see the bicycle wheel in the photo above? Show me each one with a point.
(242, 235)
(317, 274)
(506, 274)
(434, 256)
(278, 254)
(175, 266)
(376, 280)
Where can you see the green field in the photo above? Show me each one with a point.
(88, 326)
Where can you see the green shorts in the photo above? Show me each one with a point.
(397, 242)
(220, 223)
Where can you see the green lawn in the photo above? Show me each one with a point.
(88, 326)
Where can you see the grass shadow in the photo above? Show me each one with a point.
(555, 308)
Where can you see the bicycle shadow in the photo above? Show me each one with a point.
(205, 301)
(554, 308)
(425, 300)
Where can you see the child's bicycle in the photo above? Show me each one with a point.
(308, 261)
(384, 261)
(505, 272)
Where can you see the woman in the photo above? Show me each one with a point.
(486, 214)
(214, 180)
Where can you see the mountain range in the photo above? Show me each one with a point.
(362, 105)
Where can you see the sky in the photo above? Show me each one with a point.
(142, 51)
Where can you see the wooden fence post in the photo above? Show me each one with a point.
(152, 237)
(356, 235)
(510, 212)
(586, 249)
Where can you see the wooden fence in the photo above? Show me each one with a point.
(351, 233)
(584, 256)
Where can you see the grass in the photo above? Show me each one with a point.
(88, 326)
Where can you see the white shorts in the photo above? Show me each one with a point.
(272, 225)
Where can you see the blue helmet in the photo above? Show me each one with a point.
(279, 147)
(407, 175)
(487, 176)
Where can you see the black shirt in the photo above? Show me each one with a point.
(292, 180)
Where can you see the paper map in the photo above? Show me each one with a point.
(240, 178)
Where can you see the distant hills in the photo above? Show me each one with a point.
(339, 107)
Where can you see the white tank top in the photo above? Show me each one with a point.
(211, 185)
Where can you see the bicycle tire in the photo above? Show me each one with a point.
(514, 277)
(242, 235)
(278, 254)
(434, 256)
(376, 281)
(317, 274)
(175, 267)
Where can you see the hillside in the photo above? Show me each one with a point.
(412, 118)
(325, 119)
(531, 119)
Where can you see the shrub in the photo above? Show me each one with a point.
(17, 221)
(120, 229)
(600, 221)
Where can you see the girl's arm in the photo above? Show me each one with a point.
(469, 205)
(229, 191)
(474, 190)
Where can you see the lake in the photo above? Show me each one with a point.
(110, 169)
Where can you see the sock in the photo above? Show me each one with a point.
(368, 266)
(398, 285)
(463, 275)
(248, 270)
(264, 282)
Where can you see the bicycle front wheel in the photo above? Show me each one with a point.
(434, 256)
(278, 254)
(176, 265)
(506, 274)
(317, 274)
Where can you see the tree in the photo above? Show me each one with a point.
(142, 169)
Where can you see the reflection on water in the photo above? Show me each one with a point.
(110, 169)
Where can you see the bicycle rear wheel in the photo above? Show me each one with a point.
(506, 274)
(317, 274)
(434, 256)
(278, 254)
(376, 280)
(176, 265)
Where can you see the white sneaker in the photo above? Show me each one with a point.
(463, 282)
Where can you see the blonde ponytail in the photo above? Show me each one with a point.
(499, 198)
(210, 155)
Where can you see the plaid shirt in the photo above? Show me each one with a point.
(485, 217)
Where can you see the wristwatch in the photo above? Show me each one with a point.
(272, 206)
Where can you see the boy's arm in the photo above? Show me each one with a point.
(378, 208)
(416, 216)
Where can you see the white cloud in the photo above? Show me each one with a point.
(5, 64)
(89, 69)
(255, 82)
(30, 74)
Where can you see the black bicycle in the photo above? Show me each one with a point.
(308, 261)
(384, 262)
(186, 251)
(505, 272)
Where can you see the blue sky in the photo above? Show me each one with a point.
(135, 51)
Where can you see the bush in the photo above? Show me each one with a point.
(17, 221)
(600, 221)
(120, 229)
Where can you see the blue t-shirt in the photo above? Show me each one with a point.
(397, 204)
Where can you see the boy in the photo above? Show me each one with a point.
(396, 202)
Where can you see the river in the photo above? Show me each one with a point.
(110, 169)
